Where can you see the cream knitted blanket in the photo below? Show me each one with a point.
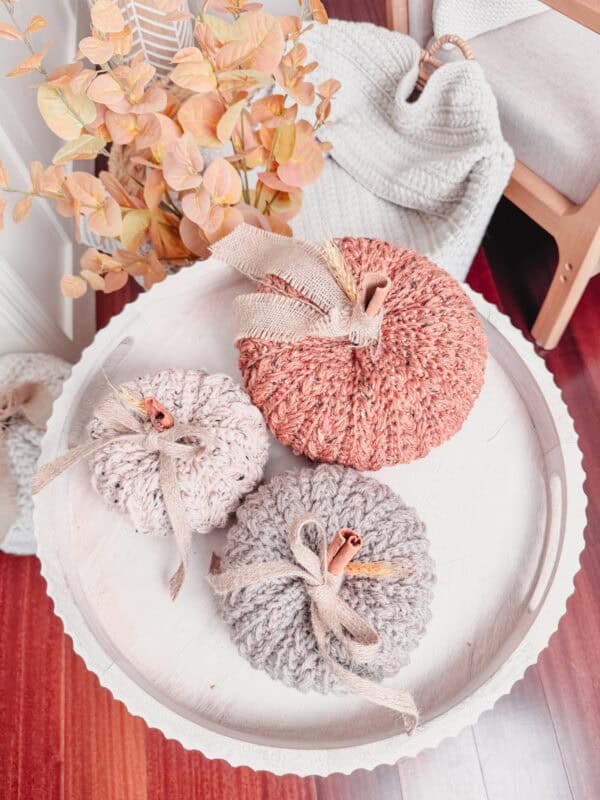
(425, 175)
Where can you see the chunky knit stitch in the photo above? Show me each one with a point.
(270, 622)
(24, 439)
(384, 404)
(211, 483)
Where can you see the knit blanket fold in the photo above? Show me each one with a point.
(441, 157)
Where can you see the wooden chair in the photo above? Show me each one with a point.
(575, 228)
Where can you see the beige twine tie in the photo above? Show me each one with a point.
(328, 612)
(167, 443)
(331, 308)
(34, 402)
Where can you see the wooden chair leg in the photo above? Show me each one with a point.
(572, 275)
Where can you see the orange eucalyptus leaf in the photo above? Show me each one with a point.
(107, 17)
(59, 114)
(229, 120)
(306, 163)
(95, 281)
(29, 64)
(223, 182)
(36, 23)
(22, 208)
(170, 132)
(113, 281)
(264, 33)
(279, 225)
(8, 31)
(253, 216)
(233, 54)
(72, 286)
(183, 165)
(122, 127)
(81, 82)
(85, 148)
(98, 51)
(105, 89)
(193, 238)
(317, 9)
(164, 235)
(285, 141)
(200, 115)
(86, 189)
(106, 220)
(154, 189)
(2, 211)
(118, 192)
(135, 228)
(196, 206)
(197, 76)
(122, 42)
(273, 182)
(221, 222)
(243, 80)
(36, 173)
(290, 26)
(328, 88)
(53, 180)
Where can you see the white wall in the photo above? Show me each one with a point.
(35, 254)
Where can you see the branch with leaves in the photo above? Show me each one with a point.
(237, 91)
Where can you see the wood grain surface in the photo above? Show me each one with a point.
(64, 737)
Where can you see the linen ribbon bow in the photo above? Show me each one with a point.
(328, 612)
(330, 307)
(34, 402)
(167, 443)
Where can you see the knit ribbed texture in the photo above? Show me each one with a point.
(24, 439)
(425, 175)
(380, 405)
(270, 622)
(211, 483)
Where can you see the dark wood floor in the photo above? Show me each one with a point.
(63, 736)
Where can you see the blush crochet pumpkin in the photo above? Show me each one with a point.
(386, 403)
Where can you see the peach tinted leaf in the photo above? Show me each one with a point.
(223, 182)
(10, 32)
(253, 216)
(329, 88)
(29, 64)
(122, 42)
(193, 238)
(265, 34)
(285, 141)
(81, 83)
(113, 281)
(104, 89)
(149, 130)
(183, 165)
(118, 192)
(22, 208)
(107, 17)
(2, 210)
(155, 99)
(135, 228)
(279, 225)
(85, 148)
(165, 5)
(122, 127)
(233, 54)
(200, 115)
(154, 189)
(169, 134)
(98, 51)
(106, 221)
(36, 173)
(53, 180)
(36, 23)
(86, 189)
(229, 120)
(286, 204)
(317, 9)
(164, 234)
(3, 176)
(306, 162)
(196, 206)
(59, 116)
(273, 182)
(72, 286)
(195, 76)
(222, 30)
(290, 26)
(243, 80)
(228, 219)
(95, 281)
(188, 54)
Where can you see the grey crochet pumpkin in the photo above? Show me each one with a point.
(270, 621)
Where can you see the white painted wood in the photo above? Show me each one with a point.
(40, 250)
(449, 772)
(518, 749)
(483, 495)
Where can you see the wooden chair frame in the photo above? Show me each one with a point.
(575, 228)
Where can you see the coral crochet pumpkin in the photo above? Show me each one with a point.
(387, 403)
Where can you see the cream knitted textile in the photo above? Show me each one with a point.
(270, 622)
(211, 482)
(24, 439)
(425, 175)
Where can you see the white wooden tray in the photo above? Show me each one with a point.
(505, 510)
